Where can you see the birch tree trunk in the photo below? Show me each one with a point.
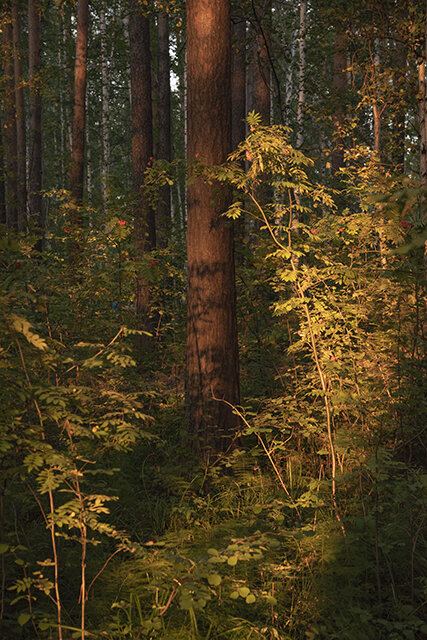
(212, 356)
(21, 196)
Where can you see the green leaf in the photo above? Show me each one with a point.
(234, 595)
(3, 548)
(214, 579)
(244, 592)
(250, 598)
(232, 561)
(23, 618)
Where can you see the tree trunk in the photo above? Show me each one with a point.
(339, 85)
(422, 119)
(212, 355)
(301, 74)
(79, 117)
(375, 106)
(10, 123)
(238, 82)
(142, 150)
(35, 167)
(2, 172)
(21, 195)
(398, 115)
(164, 111)
(261, 61)
(105, 108)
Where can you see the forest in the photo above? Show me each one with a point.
(213, 258)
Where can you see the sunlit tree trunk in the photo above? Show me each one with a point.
(21, 195)
(339, 85)
(164, 112)
(35, 204)
(422, 119)
(375, 106)
(79, 117)
(398, 115)
(142, 150)
(10, 121)
(212, 357)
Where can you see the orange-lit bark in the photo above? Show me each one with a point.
(79, 117)
(212, 359)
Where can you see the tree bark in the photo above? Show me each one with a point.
(165, 139)
(238, 82)
(398, 115)
(301, 73)
(261, 61)
(10, 122)
(212, 355)
(142, 150)
(21, 195)
(339, 85)
(422, 119)
(35, 167)
(79, 116)
(105, 108)
(2, 172)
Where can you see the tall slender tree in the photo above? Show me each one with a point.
(142, 150)
(79, 115)
(10, 120)
(35, 129)
(261, 61)
(21, 195)
(238, 81)
(164, 113)
(339, 84)
(212, 357)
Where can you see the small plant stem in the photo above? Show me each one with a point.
(51, 506)
(321, 373)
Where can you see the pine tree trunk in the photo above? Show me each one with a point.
(422, 119)
(35, 203)
(261, 61)
(339, 85)
(301, 74)
(212, 356)
(21, 195)
(2, 172)
(79, 115)
(164, 111)
(142, 150)
(105, 109)
(238, 82)
(398, 115)
(11, 165)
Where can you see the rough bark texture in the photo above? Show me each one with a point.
(10, 123)
(142, 147)
(212, 358)
(238, 82)
(21, 195)
(35, 204)
(2, 173)
(79, 117)
(105, 109)
(422, 120)
(165, 144)
(339, 86)
(301, 73)
(261, 62)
